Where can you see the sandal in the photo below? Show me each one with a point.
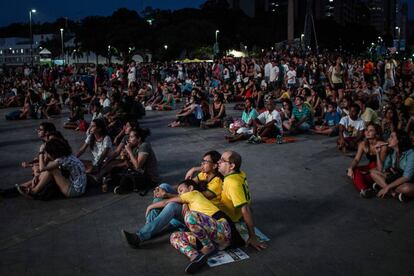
(22, 192)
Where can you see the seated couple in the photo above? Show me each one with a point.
(206, 206)
(256, 127)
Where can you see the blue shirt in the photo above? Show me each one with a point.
(332, 118)
(406, 163)
(246, 117)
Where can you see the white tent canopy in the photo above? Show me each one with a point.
(45, 52)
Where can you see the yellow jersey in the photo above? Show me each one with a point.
(235, 194)
(215, 186)
(198, 202)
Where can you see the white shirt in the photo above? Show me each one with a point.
(291, 75)
(274, 74)
(99, 147)
(131, 74)
(105, 103)
(352, 127)
(267, 117)
(267, 69)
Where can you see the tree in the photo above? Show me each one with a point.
(92, 35)
(127, 30)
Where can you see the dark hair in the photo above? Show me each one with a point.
(48, 127)
(101, 126)
(143, 133)
(356, 106)
(394, 115)
(404, 141)
(215, 157)
(55, 134)
(133, 123)
(251, 101)
(236, 159)
(288, 102)
(201, 187)
(57, 148)
(300, 97)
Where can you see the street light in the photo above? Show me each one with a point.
(302, 36)
(399, 35)
(31, 35)
(216, 46)
(63, 52)
(165, 47)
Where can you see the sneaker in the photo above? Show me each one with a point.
(196, 264)
(257, 140)
(132, 239)
(118, 190)
(251, 139)
(376, 187)
(401, 197)
(367, 193)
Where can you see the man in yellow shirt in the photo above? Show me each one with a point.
(235, 198)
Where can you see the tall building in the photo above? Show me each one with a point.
(383, 14)
(342, 11)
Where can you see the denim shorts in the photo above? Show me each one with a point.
(73, 192)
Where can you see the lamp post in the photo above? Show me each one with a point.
(63, 52)
(302, 36)
(216, 46)
(109, 54)
(31, 35)
(399, 35)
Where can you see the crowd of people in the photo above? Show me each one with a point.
(368, 105)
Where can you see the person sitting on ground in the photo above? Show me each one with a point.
(245, 129)
(142, 171)
(100, 145)
(368, 115)
(360, 175)
(267, 125)
(170, 217)
(351, 130)
(190, 115)
(43, 131)
(62, 168)
(235, 198)
(389, 122)
(76, 113)
(167, 102)
(206, 223)
(331, 121)
(396, 177)
(301, 119)
(218, 111)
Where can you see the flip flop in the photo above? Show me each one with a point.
(23, 193)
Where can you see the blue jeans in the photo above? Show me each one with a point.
(160, 220)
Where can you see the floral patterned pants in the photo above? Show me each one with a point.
(210, 232)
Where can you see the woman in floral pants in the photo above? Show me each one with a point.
(209, 229)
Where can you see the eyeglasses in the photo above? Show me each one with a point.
(206, 161)
(223, 161)
(40, 129)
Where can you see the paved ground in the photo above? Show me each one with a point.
(317, 222)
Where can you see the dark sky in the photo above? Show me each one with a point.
(48, 10)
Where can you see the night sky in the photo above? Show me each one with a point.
(48, 10)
